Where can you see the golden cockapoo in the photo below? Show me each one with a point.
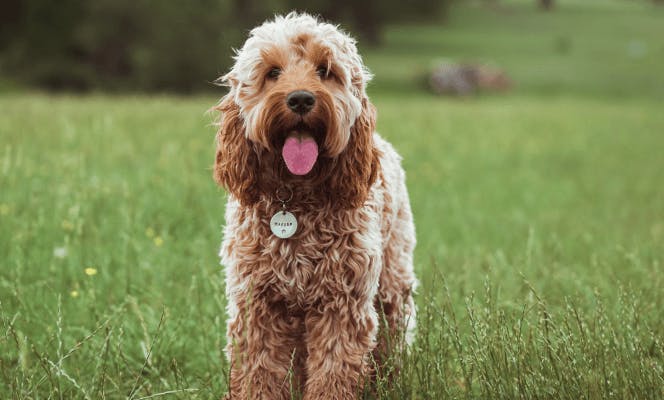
(319, 234)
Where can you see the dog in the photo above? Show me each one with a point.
(319, 236)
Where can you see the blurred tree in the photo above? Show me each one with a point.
(363, 18)
(9, 21)
(546, 4)
(245, 12)
(39, 40)
(158, 45)
(118, 44)
(367, 21)
(368, 18)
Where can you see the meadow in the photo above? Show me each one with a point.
(539, 215)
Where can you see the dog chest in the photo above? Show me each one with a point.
(327, 256)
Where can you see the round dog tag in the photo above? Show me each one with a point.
(283, 224)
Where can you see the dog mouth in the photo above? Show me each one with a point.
(300, 149)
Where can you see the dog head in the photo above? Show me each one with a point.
(297, 114)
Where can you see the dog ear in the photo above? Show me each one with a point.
(236, 162)
(357, 166)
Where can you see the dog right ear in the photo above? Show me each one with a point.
(236, 162)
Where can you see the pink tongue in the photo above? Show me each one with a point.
(300, 154)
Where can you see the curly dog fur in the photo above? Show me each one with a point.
(304, 312)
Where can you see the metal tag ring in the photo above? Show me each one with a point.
(288, 194)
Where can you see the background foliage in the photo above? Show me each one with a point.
(149, 45)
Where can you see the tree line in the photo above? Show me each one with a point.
(179, 45)
(150, 45)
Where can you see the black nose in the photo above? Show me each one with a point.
(301, 101)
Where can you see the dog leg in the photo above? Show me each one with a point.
(394, 303)
(340, 336)
(264, 342)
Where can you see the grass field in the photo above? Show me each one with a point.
(539, 214)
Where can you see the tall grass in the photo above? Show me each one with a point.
(539, 219)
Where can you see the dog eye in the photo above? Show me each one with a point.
(323, 71)
(274, 73)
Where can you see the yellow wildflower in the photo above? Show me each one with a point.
(158, 241)
(90, 271)
(74, 293)
(149, 232)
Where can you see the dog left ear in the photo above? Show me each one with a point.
(236, 162)
(357, 166)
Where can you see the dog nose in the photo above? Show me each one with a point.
(301, 101)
